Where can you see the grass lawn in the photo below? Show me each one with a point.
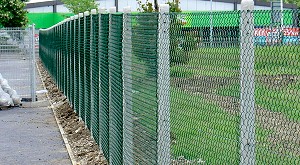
(204, 130)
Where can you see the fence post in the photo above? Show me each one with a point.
(80, 68)
(33, 64)
(247, 102)
(127, 89)
(163, 85)
(112, 10)
(93, 12)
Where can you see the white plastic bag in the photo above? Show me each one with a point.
(5, 85)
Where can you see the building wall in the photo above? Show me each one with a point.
(45, 9)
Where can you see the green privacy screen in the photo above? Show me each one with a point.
(168, 88)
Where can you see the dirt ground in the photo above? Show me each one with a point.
(84, 148)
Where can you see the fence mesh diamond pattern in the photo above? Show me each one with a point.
(183, 88)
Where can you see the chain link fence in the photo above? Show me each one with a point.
(17, 60)
(183, 88)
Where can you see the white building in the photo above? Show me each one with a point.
(46, 6)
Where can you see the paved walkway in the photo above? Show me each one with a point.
(30, 136)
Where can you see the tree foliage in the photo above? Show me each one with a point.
(295, 2)
(153, 7)
(12, 13)
(80, 6)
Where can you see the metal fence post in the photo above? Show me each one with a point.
(33, 97)
(163, 83)
(247, 102)
(127, 86)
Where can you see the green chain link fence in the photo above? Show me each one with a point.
(183, 88)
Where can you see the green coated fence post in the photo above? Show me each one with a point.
(163, 83)
(247, 102)
(127, 94)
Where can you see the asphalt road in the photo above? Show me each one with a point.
(30, 136)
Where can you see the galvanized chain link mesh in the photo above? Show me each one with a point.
(183, 88)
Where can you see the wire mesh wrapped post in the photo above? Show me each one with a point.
(128, 156)
(81, 66)
(115, 88)
(94, 75)
(104, 83)
(87, 70)
(67, 56)
(163, 83)
(76, 63)
(247, 84)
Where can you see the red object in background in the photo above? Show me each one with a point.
(286, 31)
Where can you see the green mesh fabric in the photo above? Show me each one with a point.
(95, 78)
(231, 86)
(115, 87)
(140, 88)
(202, 120)
(104, 85)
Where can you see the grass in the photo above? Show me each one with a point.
(203, 130)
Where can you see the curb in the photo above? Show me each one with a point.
(62, 132)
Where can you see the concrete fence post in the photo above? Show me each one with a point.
(247, 75)
(163, 84)
(127, 89)
(80, 67)
(93, 12)
(33, 74)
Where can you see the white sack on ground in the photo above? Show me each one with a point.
(1, 78)
(5, 99)
(15, 98)
(8, 96)
(5, 85)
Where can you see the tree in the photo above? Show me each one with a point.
(80, 6)
(12, 13)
